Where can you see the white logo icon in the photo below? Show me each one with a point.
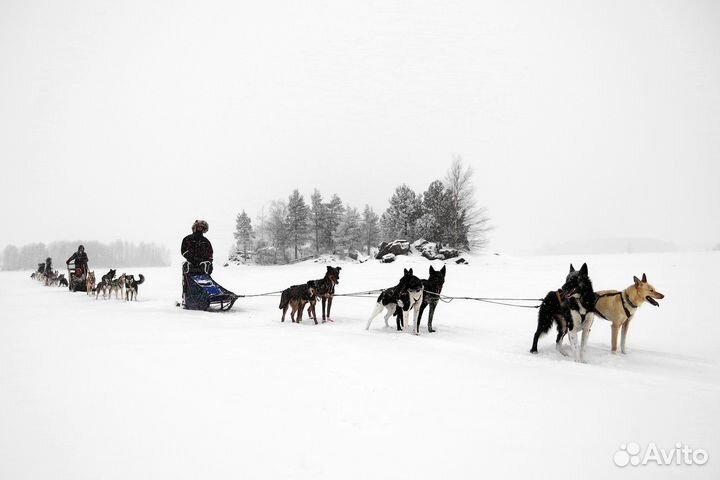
(627, 455)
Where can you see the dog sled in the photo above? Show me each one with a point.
(201, 292)
(76, 279)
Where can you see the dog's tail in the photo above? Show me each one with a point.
(548, 308)
(546, 315)
(284, 299)
(142, 279)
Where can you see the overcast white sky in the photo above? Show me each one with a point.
(129, 120)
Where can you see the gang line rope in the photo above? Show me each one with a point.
(443, 298)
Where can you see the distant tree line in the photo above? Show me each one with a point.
(116, 254)
(446, 213)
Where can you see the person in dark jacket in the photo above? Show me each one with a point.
(48, 265)
(197, 249)
(81, 260)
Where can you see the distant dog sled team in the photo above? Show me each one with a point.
(47, 276)
(572, 307)
(80, 279)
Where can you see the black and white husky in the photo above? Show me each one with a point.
(132, 287)
(406, 295)
(572, 309)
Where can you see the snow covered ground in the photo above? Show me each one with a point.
(114, 390)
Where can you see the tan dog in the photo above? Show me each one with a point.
(620, 307)
(90, 283)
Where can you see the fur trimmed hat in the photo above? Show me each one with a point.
(201, 225)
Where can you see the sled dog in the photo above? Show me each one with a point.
(109, 276)
(90, 282)
(433, 284)
(131, 286)
(296, 297)
(619, 307)
(117, 285)
(406, 295)
(571, 308)
(325, 289)
(102, 286)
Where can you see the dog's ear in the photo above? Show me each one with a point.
(443, 270)
(432, 270)
(572, 269)
(405, 272)
(637, 281)
(644, 279)
(584, 269)
(329, 268)
(410, 272)
(338, 268)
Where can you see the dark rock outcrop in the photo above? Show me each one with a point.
(397, 247)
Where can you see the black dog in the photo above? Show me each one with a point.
(107, 278)
(431, 286)
(407, 294)
(325, 289)
(296, 297)
(571, 308)
(62, 281)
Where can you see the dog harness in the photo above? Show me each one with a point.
(632, 305)
(628, 314)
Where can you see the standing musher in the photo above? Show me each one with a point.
(48, 270)
(81, 261)
(197, 249)
(198, 253)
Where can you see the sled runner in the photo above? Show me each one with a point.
(76, 279)
(202, 293)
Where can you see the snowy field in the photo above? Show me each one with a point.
(114, 390)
